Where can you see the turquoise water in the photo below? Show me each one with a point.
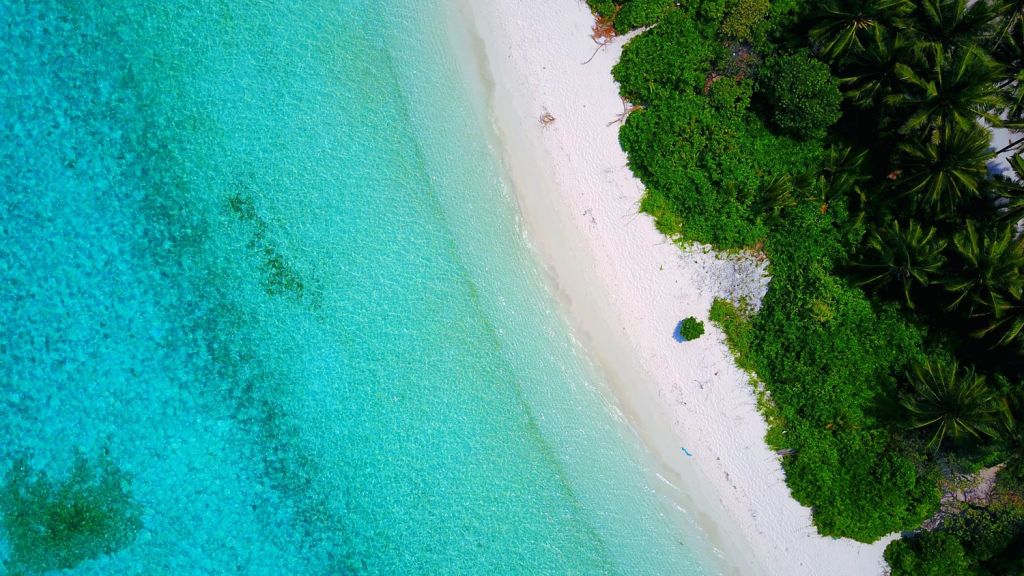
(266, 309)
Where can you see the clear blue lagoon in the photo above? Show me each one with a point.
(267, 309)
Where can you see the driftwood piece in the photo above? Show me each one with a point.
(546, 119)
(627, 109)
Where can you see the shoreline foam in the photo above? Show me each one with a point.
(624, 287)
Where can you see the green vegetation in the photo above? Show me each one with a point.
(640, 13)
(279, 277)
(691, 329)
(55, 525)
(801, 93)
(848, 140)
(743, 17)
(947, 400)
(934, 554)
(981, 541)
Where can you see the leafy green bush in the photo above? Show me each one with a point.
(743, 16)
(603, 8)
(690, 160)
(673, 57)
(735, 322)
(640, 13)
(731, 98)
(839, 471)
(700, 151)
(711, 11)
(802, 95)
(993, 536)
(977, 542)
(933, 554)
(691, 329)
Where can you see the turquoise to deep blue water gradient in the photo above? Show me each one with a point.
(244, 265)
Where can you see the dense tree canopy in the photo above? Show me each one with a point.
(850, 141)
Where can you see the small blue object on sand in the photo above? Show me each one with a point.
(678, 334)
(687, 452)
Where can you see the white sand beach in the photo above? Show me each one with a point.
(625, 287)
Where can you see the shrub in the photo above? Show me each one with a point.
(711, 10)
(802, 95)
(672, 57)
(743, 17)
(735, 322)
(603, 8)
(691, 329)
(640, 13)
(933, 554)
(731, 97)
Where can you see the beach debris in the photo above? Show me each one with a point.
(711, 79)
(627, 109)
(596, 50)
(546, 119)
(687, 452)
(603, 30)
(602, 33)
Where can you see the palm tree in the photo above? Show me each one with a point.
(1013, 436)
(952, 89)
(949, 401)
(839, 27)
(1006, 327)
(1011, 15)
(1011, 191)
(989, 273)
(908, 256)
(870, 76)
(777, 194)
(842, 173)
(1009, 52)
(955, 24)
(941, 174)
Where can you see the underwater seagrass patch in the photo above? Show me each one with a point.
(280, 277)
(56, 524)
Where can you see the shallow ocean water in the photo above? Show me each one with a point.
(261, 272)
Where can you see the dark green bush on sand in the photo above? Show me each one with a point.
(691, 329)
(56, 525)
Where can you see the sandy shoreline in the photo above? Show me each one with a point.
(624, 288)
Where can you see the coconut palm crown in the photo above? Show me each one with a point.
(989, 274)
(907, 256)
(841, 27)
(950, 401)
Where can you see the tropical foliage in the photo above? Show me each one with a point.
(947, 401)
(691, 329)
(906, 257)
(801, 93)
(849, 140)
